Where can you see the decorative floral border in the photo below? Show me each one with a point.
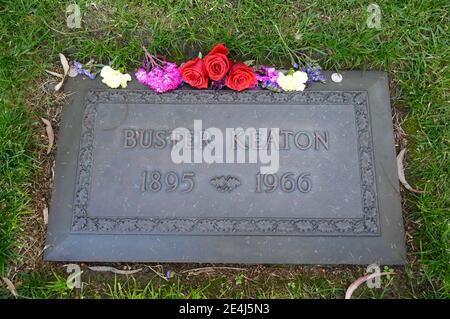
(368, 225)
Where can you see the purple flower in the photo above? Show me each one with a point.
(88, 74)
(273, 86)
(218, 85)
(295, 65)
(267, 77)
(314, 74)
(78, 67)
(168, 274)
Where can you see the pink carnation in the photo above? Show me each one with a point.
(141, 76)
(160, 79)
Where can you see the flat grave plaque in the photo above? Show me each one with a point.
(332, 196)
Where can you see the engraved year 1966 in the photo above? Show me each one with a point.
(155, 181)
(288, 182)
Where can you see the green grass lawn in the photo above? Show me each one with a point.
(412, 45)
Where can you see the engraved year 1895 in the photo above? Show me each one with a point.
(155, 181)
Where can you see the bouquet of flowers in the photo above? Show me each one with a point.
(158, 75)
(217, 71)
(217, 68)
(214, 71)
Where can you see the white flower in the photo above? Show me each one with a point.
(114, 78)
(293, 82)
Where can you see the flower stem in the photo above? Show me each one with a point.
(151, 58)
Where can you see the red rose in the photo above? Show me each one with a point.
(217, 63)
(241, 77)
(194, 73)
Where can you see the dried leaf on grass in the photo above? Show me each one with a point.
(114, 270)
(10, 286)
(50, 134)
(65, 63)
(358, 282)
(401, 172)
(59, 85)
(45, 215)
(55, 74)
(66, 68)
